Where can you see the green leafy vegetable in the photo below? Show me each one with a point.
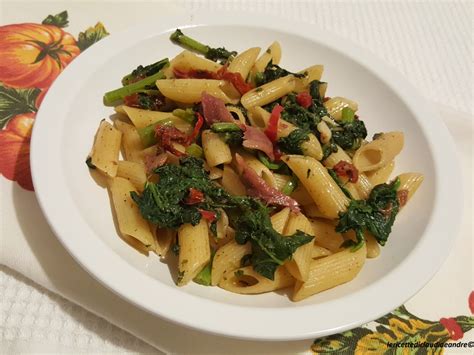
(16, 101)
(234, 139)
(59, 20)
(273, 72)
(164, 204)
(328, 149)
(142, 72)
(292, 143)
(375, 215)
(189, 43)
(91, 36)
(349, 135)
(269, 248)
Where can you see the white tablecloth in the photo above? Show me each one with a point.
(428, 42)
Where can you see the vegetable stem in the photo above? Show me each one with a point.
(147, 134)
(222, 127)
(118, 94)
(290, 186)
(180, 38)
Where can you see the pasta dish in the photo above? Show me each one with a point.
(250, 174)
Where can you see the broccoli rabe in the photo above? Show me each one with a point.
(214, 54)
(167, 204)
(375, 215)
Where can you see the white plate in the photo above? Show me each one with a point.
(79, 211)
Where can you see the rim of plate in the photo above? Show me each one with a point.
(276, 324)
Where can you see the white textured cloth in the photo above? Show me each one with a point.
(428, 42)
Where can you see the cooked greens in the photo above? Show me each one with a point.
(166, 204)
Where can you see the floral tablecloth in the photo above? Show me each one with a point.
(38, 40)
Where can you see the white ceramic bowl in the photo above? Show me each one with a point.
(79, 211)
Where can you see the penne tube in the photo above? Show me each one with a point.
(194, 250)
(313, 211)
(187, 60)
(129, 220)
(410, 182)
(281, 180)
(261, 170)
(243, 62)
(362, 187)
(280, 219)
(326, 235)
(379, 152)
(131, 142)
(227, 259)
(231, 182)
(314, 72)
(248, 281)
(273, 53)
(335, 105)
(134, 172)
(189, 91)
(268, 92)
(299, 264)
(142, 118)
(106, 149)
(381, 175)
(319, 252)
(324, 191)
(330, 271)
(216, 151)
(164, 238)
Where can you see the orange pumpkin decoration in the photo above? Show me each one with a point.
(33, 55)
(15, 150)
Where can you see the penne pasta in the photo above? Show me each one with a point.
(268, 92)
(228, 259)
(273, 53)
(335, 105)
(134, 172)
(129, 220)
(321, 187)
(194, 250)
(231, 182)
(359, 189)
(312, 73)
(379, 152)
(381, 175)
(247, 281)
(410, 182)
(326, 235)
(164, 238)
(244, 62)
(187, 60)
(215, 149)
(280, 220)
(189, 91)
(330, 271)
(299, 264)
(176, 186)
(131, 142)
(106, 148)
